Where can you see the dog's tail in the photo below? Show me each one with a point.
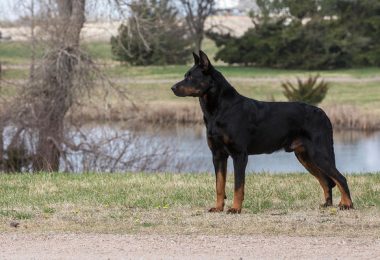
(329, 140)
(324, 136)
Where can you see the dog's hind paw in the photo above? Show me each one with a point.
(233, 211)
(215, 210)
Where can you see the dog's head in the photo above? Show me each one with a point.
(197, 80)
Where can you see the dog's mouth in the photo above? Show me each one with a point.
(184, 91)
(178, 93)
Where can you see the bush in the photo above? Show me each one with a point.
(153, 35)
(307, 91)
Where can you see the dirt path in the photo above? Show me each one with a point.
(110, 246)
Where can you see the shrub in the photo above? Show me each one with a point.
(308, 91)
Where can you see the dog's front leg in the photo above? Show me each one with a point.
(220, 166)
(240, 163)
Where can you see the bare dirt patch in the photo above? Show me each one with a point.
(111, 246)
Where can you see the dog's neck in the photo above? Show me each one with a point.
(220, 90)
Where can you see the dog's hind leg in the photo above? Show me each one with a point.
(326, 183)
(220, 166)
(330, 170)
(320, 158)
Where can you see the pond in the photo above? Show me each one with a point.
(119, 148)
(355, 151)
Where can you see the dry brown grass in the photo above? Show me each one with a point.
(351, 117)
(160, 112)
(318, 222)
(169, 113)
(343, 117)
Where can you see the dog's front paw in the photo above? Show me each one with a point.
(215, 210)
(233, 211)
(326, 205)
(343, 206)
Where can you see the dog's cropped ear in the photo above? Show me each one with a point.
(204, 62)
(196, 59)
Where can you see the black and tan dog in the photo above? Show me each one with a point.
(238, 126)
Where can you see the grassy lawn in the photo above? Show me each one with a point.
(365, 96)
(178, 203)
(357, 88)
(18, 53)
(175, 71)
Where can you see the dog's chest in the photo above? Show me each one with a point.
(218, 133)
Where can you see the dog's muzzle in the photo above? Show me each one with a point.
(174, 88)
(176, 91)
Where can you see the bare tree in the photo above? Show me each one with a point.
(196, 13)
(58, 77)
(41, 128)
(40, 108)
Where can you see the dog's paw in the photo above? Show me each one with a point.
(233, 211)
(326, 205)
(215, 210)
(343, 206)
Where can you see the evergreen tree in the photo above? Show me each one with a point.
(314, 34)
(152, 35)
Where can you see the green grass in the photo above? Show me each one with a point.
(363, 95)
(15, 74)
(98, 50)
(160, 203)
(162, 72)
(19, 53)
(175, 71)
(16, 52)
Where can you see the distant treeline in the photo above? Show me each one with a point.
(313, 34)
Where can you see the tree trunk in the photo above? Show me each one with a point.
(58, 82)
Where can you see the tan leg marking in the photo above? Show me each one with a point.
(221, 177)
(321, 179)
(345, 201)
(220, 189)
(238, 200)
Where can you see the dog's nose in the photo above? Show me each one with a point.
(174, 88)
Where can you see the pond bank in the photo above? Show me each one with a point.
(343, 117)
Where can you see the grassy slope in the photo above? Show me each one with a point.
(152, 83)
(167, 203)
